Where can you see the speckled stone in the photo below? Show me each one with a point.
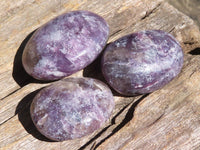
(72, 108)
(142, 62)
(65, 45)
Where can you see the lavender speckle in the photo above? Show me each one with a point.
(72, 108)
(65, 45)
(142, 62)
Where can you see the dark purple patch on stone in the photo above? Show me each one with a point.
(142, 62)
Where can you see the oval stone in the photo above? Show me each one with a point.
(71, 108)
(65, 45)
(142, 62)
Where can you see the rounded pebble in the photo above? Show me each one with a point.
(142, 62)
(71, 108)
(65, 45)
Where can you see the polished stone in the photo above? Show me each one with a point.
(65, 45)
(142, 62)
(72, 108)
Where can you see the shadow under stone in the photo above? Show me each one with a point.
(23, 111)
(19, 74)
(94, 71)
(127, 118)
(196, 51)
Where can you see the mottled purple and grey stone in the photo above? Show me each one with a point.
(72, 108)
(65, 45)
(142, 62)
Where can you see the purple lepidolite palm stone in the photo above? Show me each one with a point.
(71, 108)
(142, 62)
(65, 45)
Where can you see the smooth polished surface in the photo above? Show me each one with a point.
(65, 45)
(142, 62)
(72, 108)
